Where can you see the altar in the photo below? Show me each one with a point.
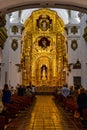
(43, 50)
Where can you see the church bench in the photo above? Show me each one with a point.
(12, 109)
(18, 103)
(71, 104)
(84, 113)
(24, 101)
(58, 97)
(2, 122)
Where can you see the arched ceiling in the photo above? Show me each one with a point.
(13, 5)
(62, 13)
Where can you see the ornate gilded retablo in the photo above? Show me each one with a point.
(43, 49)
(44, 22)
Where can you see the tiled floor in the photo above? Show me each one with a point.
(43, 115)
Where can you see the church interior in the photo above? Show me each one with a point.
(43, 64)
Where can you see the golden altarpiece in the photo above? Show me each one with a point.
(43, 55)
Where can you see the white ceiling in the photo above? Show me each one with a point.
(26, 13)
(63, 13)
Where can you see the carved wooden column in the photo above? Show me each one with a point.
(3, 31)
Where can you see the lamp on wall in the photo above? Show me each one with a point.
(18, 67)
(76, 65)
(69, 66)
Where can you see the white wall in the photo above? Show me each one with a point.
(11, 57)
(80, 53)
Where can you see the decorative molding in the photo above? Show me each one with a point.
(44, 22)
(18, 67)
(85, 34)
(14, 29)
(74, 45)
(14, 44)
(2, 20)
(74, 30)
(77, 65)
(3, 36)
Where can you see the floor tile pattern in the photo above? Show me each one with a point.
(44, 114)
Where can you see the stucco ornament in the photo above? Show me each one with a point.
(85, 34)
(14, 44)
(74, 45)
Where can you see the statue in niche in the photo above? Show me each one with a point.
(44, 42)
(44, 24)
(44, 72)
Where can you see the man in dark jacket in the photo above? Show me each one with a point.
(82, 100)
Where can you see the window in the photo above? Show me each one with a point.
(77, 81)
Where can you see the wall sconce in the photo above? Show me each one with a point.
(77, 65)
(18, 67)
(69, 66)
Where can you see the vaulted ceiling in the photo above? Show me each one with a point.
(13, 5)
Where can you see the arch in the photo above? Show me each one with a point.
(13, 5)
(44, 70)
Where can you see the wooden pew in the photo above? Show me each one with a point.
(2, 122)
(18, 103)
(84, 113)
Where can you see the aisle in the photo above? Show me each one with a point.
(43, 115)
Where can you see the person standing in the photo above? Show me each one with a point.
(82, 101)
(65, 91)
(6, 94)
(3, 112)
(65, 94)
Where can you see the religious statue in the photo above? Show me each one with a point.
(44, 42)
(43, 72)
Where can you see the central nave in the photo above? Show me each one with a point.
(44, 114)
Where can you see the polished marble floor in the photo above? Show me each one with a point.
(44, 114)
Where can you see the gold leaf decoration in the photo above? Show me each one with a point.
(14, 29)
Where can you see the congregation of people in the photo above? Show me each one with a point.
(74, 99)
(12, 100)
